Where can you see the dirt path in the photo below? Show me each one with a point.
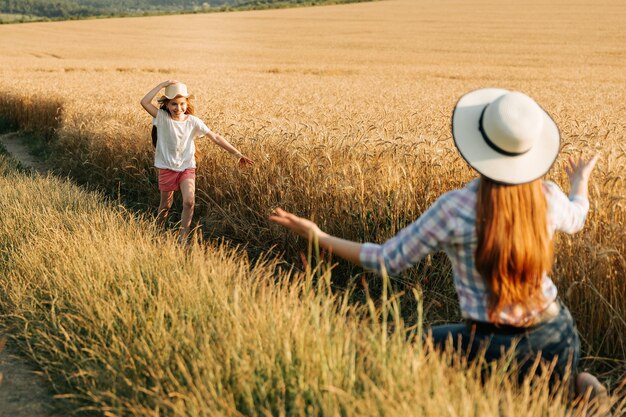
(24, 392)
(15, 144)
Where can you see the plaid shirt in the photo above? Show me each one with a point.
(450, 225)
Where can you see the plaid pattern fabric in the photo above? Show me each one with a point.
(450, 225)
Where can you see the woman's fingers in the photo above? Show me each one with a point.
(569, 167)
(280, 212)
(282, 217)
(299, 225)
(592, 163)
(581, 167)
(278, 216)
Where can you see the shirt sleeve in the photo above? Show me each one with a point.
(201, 128)
(427, 234)
(159, 117)
(567, 214)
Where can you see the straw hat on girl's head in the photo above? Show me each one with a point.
(505, 135)
(176, 90)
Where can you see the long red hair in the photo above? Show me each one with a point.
(514, 246)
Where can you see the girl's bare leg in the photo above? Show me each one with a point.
(164, 207)
(188, 190)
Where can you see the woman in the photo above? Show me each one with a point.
(497, 232)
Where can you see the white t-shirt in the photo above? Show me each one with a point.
(175, 148)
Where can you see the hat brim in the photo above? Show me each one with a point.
(191, 96)
(177, 95)
(496, 166)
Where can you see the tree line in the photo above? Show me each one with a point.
(68, 9)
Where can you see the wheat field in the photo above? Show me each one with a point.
(202, 331)
(346, 111)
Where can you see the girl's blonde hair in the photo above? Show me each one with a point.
(514, 246)
(164, 101)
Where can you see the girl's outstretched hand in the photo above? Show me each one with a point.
(244, 162)
(303, 227)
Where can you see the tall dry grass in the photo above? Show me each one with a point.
(346, 111)
(124, 321)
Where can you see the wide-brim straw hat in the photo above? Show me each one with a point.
(504, 135)
(176, 90)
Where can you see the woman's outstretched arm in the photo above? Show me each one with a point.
(345, 249)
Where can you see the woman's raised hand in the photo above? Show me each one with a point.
(579, 170)
(303, 227)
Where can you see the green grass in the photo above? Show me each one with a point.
(18, 18)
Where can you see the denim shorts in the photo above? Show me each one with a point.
(556, 339)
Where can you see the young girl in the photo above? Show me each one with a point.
(497, 232)
(174, 156)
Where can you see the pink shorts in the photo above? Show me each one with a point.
(170, 180)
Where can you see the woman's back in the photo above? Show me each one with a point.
(450, 225)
